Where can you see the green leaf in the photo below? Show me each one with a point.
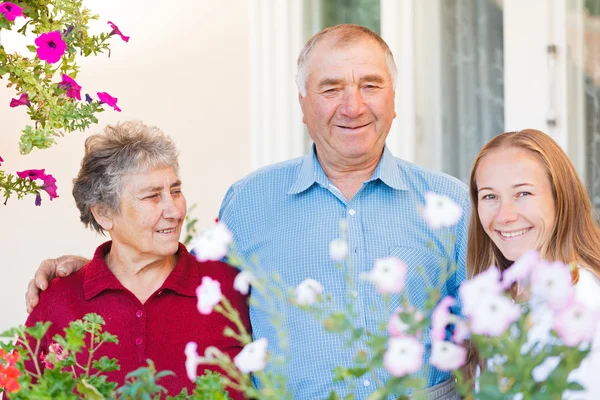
(32, 48)
(89, 392)
(105, 364)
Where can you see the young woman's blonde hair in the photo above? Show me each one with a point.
(575, 236)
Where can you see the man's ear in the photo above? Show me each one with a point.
(300, 98)
(103, 216)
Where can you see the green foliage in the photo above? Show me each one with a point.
(53, 113)
(13, 185)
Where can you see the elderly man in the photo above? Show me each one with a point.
(287, 214)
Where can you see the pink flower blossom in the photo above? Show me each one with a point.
(440, 318)
(49, 186)
(1, 160)
(388, 275)
(23, 100)
(521, 269)
(212, 243)
(472, 290)
(404, 355)
(117, 31)
(253, 357)
(191, 360)
(447, 356)
(494, 315)
(73, 89)
(396, 327)
(461, 331)
(308, 292)
(209, 295)
(50, 46)
(55, 353)
(108, 99)
(10, 10)
(440, 211)
(242, 282)
(576, 324)
(551, 281)
(32, 174)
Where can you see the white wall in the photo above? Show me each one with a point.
(185, 71)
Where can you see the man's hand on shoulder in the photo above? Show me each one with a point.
(48, 270)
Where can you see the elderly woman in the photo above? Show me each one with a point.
(143, 282)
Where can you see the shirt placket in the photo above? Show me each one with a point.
(140, 335)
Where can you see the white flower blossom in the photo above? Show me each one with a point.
(472, 290)
(253, 357)
(308, 292)
(440, 211)
(576, 324)
(404, 355)
(551, 281)
(494, 315)
(338, 250)
(447, 356)
(521, 270)
(243, 281)
(212, 243)
(388, 275)
(209, 295)
(191, 360)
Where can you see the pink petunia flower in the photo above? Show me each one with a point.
(50, 46)
(551, 281)
(73, 89)
(23, 100)
(576, 324)
(10, 10)
(472, 290)
(108, 99)
(49, 186)
(253, 357)
(32, 174)
(117, 31)
(521, 269)
(388, 275)
(447, 356)
(494, 315)
(404, 355)
(209, 295)
(440, 318)
(1, 160)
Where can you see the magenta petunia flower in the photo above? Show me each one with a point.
(10, 10)
(50, 186)
(73, 89)
(1, 160)
(23, 100)
(117, 31)
(50, 46)
(32, 174)
(108, 99)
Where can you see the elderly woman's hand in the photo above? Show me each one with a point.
(48, 270)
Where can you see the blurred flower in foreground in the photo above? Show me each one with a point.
(440, 211)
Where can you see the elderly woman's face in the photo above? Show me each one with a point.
(151, 212)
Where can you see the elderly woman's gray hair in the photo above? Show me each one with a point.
(122, 149)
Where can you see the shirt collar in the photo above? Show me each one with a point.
(184, 279)
(387, 171)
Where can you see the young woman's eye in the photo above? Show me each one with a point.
(523, 194)
(488, 197)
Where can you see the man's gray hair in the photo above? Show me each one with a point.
(343, 34)
(122, 149)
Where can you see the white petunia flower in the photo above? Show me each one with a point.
(242, 282)
(521, 270)
(494, 315)
(308, 292)
(191, 360)
(551, 281)
(472, 290)
(404, 355)
(388, 275)
(447, 356)
(338, 250)
(576, 324)
(212, 243)
(440, 211)
(253, 357)
(209, 295)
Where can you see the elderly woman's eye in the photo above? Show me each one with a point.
(152, 196)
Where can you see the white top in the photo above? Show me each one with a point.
(587, 291)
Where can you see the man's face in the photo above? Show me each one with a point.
(349, 103)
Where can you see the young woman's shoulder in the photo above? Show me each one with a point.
(588, 288)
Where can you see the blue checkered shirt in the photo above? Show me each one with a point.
(286, 215)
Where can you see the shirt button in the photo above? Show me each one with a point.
(159, 292)
(366, 383)
(139, 341)
(139, 313)
(351, 211)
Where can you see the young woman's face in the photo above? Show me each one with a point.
(515, 202)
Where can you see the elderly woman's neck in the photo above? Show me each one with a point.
(141, 274)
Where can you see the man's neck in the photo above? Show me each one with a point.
(141, 274)
(349, 178)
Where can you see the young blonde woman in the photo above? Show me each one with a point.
(526, 195)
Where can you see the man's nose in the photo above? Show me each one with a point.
(352, 103)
